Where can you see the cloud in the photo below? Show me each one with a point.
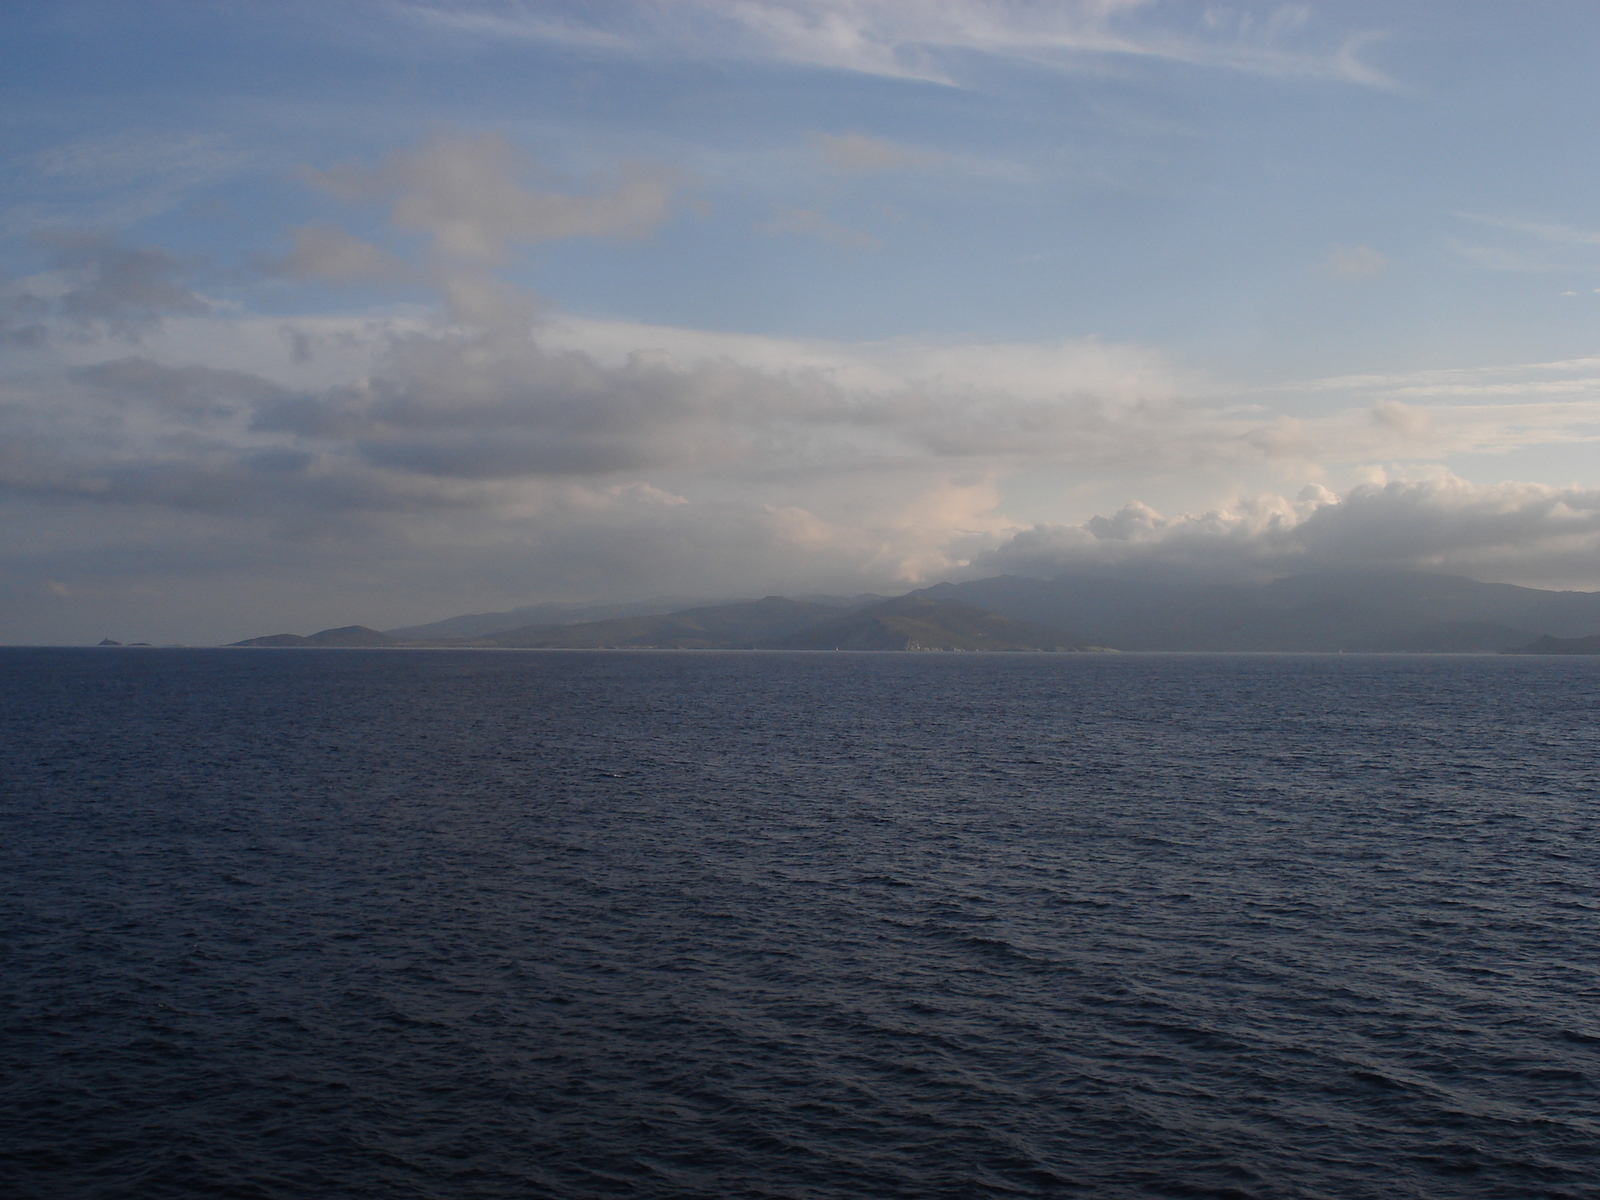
(933, 42)
(203, 576)
(811, 223)
(1514, 381)
(1355, 262)
(1521, 530)
(463, 192)
(567, 462)
(1402, 418)
(1502, 258)
(783, 473)
(575, 459)
(326, 252)
(114, 180)
(1544, 230)
(856, 153)
(97, 282)
(490, 406)
(1555, 246)
(469, 413)
(193, 391)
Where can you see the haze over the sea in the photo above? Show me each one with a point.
(336, 313)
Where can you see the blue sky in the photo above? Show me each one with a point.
(378, 312)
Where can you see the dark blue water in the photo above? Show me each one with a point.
(452, 924)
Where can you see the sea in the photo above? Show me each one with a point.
(317, 924)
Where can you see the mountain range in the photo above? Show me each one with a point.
(472, 625)
(1370, 611)
(912, 622)
(1552, 645)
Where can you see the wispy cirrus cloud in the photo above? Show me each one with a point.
(115, 179)
(1524, 381)
(811, 223)
(931, 41)
(1527, 244)
(859, 153)
(1550, 231)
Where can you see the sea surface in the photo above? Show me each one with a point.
(305, 925)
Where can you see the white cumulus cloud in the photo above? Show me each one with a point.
(1518, 531)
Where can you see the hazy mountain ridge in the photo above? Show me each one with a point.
(347, 637)
(1375, 611)
(1552, 645)
(715, 627)
(917, 622)
(775, 622)
(472, 625)
(477, 625)
(1371, 611)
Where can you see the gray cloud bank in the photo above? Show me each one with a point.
(154, 461)
(1509, 531)
(476, 467)
(95, 282)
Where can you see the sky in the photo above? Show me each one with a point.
(316, 314)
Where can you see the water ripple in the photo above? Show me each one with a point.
(454, 924)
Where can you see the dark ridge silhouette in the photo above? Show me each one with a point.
(487, 625)
(348, 635)
(1380, 611)
(917, 622)
(477, 625)
(1358, 611)
(696, 629)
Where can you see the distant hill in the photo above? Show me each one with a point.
(774, 622)
(1552, 645)
(471, 625)
(918, 622)
(476, 625)
(861, 600)
(1374, 611)
(1395, 611)
(349, 635)
(695, 629)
